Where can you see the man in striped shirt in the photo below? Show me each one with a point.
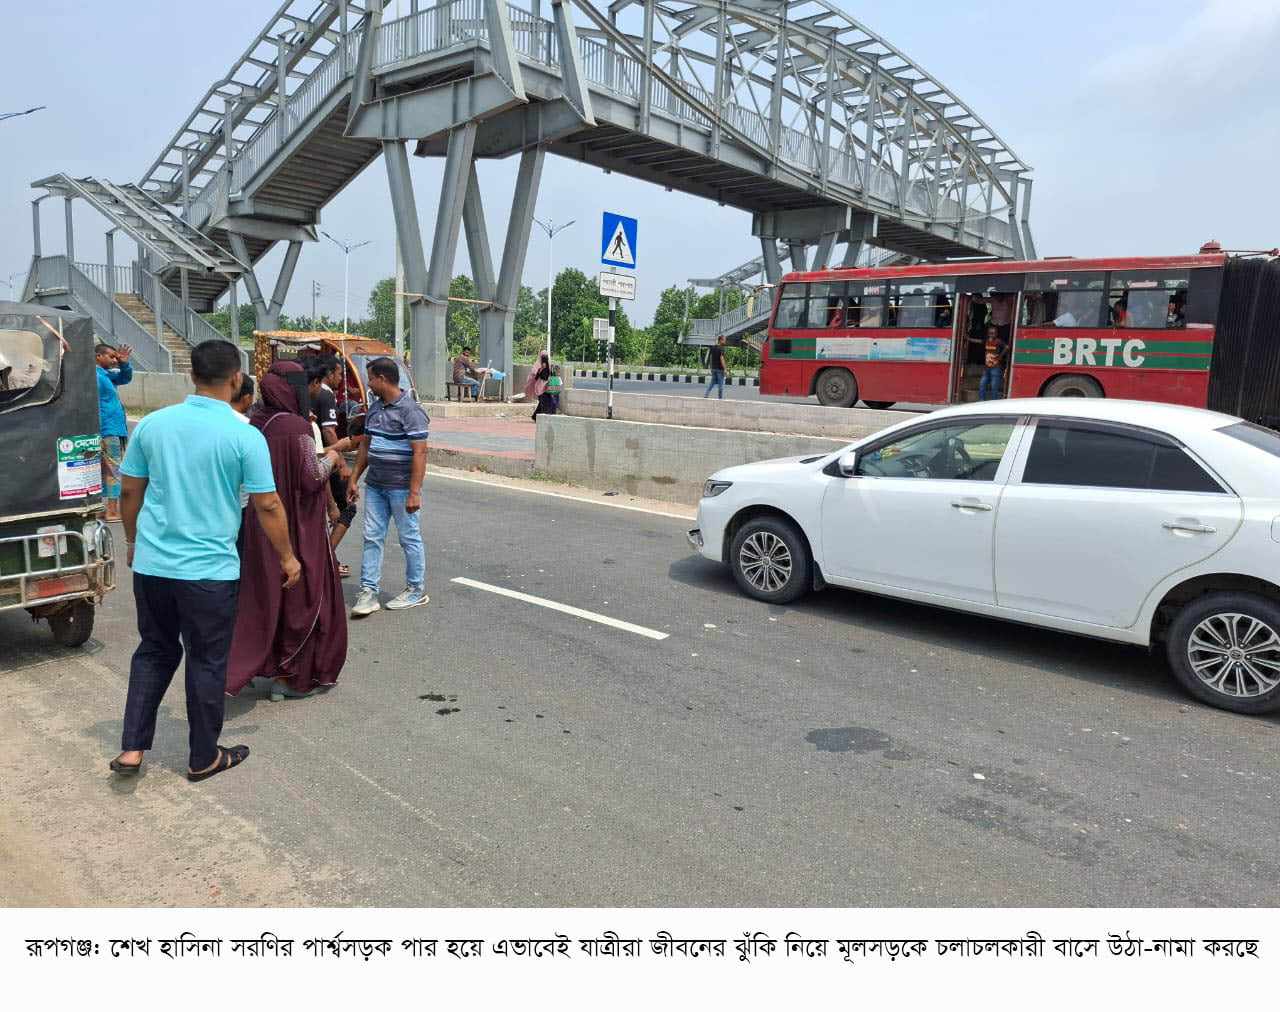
(393, 456)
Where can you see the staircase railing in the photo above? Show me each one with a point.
(181, 319)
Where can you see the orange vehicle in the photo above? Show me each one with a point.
(355, 353)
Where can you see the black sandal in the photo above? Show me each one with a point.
(227, 758)
(125, 769)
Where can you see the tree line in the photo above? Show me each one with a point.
(575, 302)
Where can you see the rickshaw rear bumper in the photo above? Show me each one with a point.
(46, 580)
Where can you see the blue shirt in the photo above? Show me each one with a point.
(195, 456)
(392, 430)
(110, 411)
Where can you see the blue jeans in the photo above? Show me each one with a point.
(380, 505)
(717, 379)
(474, 386)
(992, 386)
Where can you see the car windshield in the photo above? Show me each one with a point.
(30, 368)
(1267, 440)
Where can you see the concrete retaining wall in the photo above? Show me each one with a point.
(747, 416)
(667, 462)
(149, 391)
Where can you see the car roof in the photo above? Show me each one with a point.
(1165, 417)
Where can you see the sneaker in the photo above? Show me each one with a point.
(366, 603)
(410, 597)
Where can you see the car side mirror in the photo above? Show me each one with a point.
(848, 465)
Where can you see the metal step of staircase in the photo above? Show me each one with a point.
(157, 229)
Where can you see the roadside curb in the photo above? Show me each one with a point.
(666, 377)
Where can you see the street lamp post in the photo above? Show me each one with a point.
(346, 248)
(552, 231)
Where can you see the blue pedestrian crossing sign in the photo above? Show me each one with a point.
(618, 241)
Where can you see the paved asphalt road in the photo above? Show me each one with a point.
(486, 751)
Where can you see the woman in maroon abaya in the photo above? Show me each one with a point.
(297, 637)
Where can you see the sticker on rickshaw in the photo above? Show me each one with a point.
(79, 466)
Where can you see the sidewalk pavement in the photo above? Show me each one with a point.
(498, 445)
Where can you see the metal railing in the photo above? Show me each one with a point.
(430, 30)
(111, 321)
(181, 319)
(112, 280)
(94, 560)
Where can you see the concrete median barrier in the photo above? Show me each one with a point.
(746, 416)
(667, 462)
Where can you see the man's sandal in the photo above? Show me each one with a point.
(125, 769)
(227, 758)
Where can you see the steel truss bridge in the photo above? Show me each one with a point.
(789, 109)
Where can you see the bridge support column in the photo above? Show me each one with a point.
(822, 255)
(266, 315)
(862, 229)
(497, 320)
(772, 264)
(799, 256)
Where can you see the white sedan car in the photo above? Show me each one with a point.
(1123, 520)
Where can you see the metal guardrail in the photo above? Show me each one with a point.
(112, 280)
(97, 565)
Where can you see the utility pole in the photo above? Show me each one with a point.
(315, 292)
(552, 231)
(346, 248)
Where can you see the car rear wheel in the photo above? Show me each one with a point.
(1224, 649)
(770, 560)
(1073, 386)
(836, 388)
(73, 626)
(880, 405)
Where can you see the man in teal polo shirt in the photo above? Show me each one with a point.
(180, 504)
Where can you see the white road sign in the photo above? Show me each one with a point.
(617, 286)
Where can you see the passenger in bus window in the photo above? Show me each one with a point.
(1120, 312)
(871, 312)
(942, 311)
(1178, 310)
(835, 311)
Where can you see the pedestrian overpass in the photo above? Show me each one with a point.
(788, 109)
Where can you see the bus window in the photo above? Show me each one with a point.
(865, 306)
(826, 306)
(791, 304)
(1149, 300)
(1064, 300)
(923, 303)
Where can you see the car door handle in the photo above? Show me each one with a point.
(1188, 527)
(971, 504)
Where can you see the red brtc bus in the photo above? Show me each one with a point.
(1146, 328)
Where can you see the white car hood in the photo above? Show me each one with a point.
(768, 470)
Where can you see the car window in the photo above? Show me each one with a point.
(1064, 453)
(969, 451)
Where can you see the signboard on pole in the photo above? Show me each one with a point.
(613, 285)
(601, 330)
(618, 241)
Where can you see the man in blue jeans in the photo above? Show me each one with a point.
(394, 453)
(717, 368)
(180, 505)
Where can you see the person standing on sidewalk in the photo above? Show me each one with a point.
(114, 370)
(394, 453)
(180, 504)
(717, 368)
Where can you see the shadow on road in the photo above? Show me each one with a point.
(1096, 662)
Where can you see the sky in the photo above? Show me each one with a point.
(1151, 127)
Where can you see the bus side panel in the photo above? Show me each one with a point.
(1167, 366)
(889, 364)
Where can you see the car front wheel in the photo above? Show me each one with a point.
(1224, 648)
(770, 560)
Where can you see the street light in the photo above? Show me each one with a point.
(346, 248)
(552, 231)
(25, 112)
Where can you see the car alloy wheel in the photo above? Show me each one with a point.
(1236, 655)
(765, 561)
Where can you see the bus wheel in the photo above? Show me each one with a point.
(1072, 386)
(880, 405)
(836, 388)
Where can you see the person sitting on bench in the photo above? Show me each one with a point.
(467, 373)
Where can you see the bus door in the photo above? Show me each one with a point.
(982, 300)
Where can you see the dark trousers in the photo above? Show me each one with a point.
(199, 615)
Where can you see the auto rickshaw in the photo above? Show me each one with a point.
(56, 556)
(355, 353)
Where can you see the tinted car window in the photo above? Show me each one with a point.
(1064, 454)
(965, 451)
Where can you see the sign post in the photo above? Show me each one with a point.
(617, 249)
